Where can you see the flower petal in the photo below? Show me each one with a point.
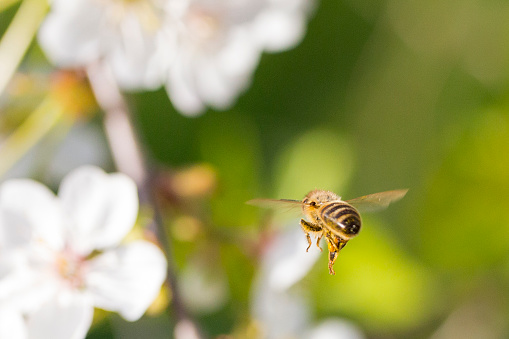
(127, 279)
(181, 89)
(102, 207)
(280, 314)
(68, 37)
(335, 328)
(134, 57)
(29, 211)
(123, 34)
(68, 316)
(15, 277)
(25, 283)
(286, 260)
(12, 324)
(279, 30)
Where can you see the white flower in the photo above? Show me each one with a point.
(216, 46)
(286, 261)
(203, 51)
(280, 311)
(12, 324)
(61, 256)
(122, 33)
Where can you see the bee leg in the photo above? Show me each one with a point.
(318, 238)
(309, 241)
(308, 227)
(333, 253)
(335, 244)
(332, 259)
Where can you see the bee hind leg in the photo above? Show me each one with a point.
(332, 259)
(335, 244)
(308, 227)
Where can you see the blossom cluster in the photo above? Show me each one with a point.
(61, 256)
(203, 51)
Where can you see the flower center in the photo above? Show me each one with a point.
(70, 268)
(202, 24)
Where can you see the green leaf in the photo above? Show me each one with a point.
(465, 217)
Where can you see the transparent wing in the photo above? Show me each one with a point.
(281, 204)
(377, 201)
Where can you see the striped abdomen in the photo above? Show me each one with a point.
(341, 218)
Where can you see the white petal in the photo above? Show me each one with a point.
(127, 279)
(79, 32)
(239, 56)
(280, 314)
(12, 325)
(29, 211)
(220, 78)
(279, 30)
(102, 207)
(23, 285)
(181, 88)
(215, 78)
(286, 260)
(134, 57)
(335, 328)
(71, 34)
(15, 275)
(68, 316)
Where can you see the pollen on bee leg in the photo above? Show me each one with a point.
(333, 252)
(332, 259)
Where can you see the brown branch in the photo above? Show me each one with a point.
(129, 159)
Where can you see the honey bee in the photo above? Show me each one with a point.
(331, 218)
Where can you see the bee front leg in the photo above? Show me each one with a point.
(308, 227)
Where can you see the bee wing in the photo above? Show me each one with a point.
(377, 201)
(281, 204)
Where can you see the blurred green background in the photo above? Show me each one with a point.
(380, 95)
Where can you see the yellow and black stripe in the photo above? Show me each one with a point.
(342, 219)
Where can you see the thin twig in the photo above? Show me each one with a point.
(129, 159)
(37, 126)
(19, 35)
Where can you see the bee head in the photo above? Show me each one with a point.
(313, 203)
(310, 207)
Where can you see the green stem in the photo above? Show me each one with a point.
(4, 4)
(31, 131)
(18, 36)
